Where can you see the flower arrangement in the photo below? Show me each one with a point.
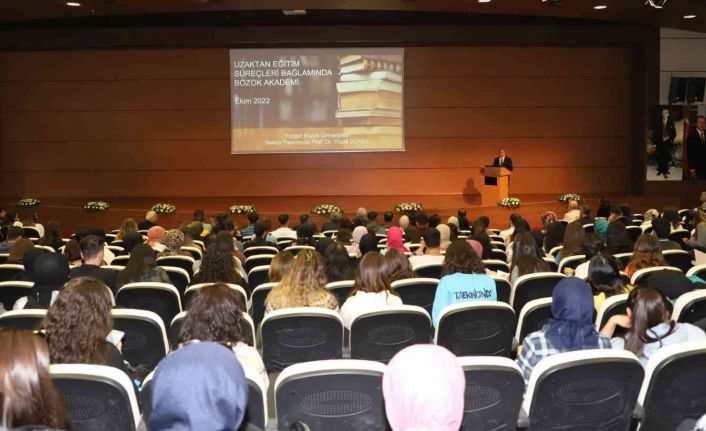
(28, 202)
(404, 207)
(326, 209)
(566, 198)
(242, 209)
(510, 203)
(97, 206)
(163, 208)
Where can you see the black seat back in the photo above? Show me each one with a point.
(477, 330)
(378, 336)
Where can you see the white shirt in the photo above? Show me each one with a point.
(284, 232)
(572, 216)
(581, 271)
(364, 302)
(425, 259)
(506, 234)
(251, 361)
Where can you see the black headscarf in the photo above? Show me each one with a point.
(28, 260)
(51, 271)
(322, 244)
(131, 239)
(368, 243)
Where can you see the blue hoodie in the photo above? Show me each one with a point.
(200, 386)
(458, 287)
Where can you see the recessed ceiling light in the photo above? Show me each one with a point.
(692, 16)
(600, 7)
(73, 4)
(483, 1)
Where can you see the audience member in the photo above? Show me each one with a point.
(150, 221)
(219, 265)
(647, 254)
(600, 228)
(199, 217)
(31, 220)
(548, 217)
(572, 212)
(305, 228)
(28, 261)
(128, 225)
(627, 213)
(28, 395)
(526, 257)
(586, 215)
(13, 234)
(215, 313)
(261, 237)
(617, 239)
(445, 235)
(200, 386)
(411, 233)
(395, 239)
(486, 246)
(649, 216)
(387, 217)
(672, 215)
(358, 233)
(604, 279)
(155, 238)
(482, 225)
(430, 251)
(344, 236)
(463, 279)
(51, 271)
(369, 243)
(422, 222)
(434, 220)
(130, 240)
(373, 223)
(334, 223)
(337, 262)
(507, 233)
(22, 246)
(279, 265)
(672, 284)
(603, 210)
(591, 245)
(573, 237)
(284, 231)
(249, 230)
(554, 235)
(361, 218)
(371, 292)
(52, 236)
(397, 266)
(304, 285)
(463, 220)
(72, 251)
(698, 240)
(616, 215)
(424, 388)
(92, 256)
(452, 221)
(648, 324)
(571, 327)
(661, 229)
(173, 242)
(142, 267)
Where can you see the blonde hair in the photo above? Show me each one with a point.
(303, 285)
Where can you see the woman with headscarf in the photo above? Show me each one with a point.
(130, 240)
(51, 271)
(395, 240)
(571, 327)
(369, 243)
(358, 234)
(199, 386)
(445, 232)
(28, 260)
(173, 242)
(453, 220)
(155, 238)
(424, 387)
(18, 251)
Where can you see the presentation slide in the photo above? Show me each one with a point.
(317, 100)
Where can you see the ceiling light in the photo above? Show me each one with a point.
(600, 7)
(73, 4)
(692, 16)
(483, 1)
(656, 4)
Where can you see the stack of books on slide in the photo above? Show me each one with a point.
(370, 90)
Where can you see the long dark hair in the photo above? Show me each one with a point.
(649, 308)
(617, 239)
(554, 235)
(397, 265)
(484, 240)
(371, 276)
(52, 235)
(647, 254)
(215, 314)
(28, 395)
(461, 258)
(526, 255)
(218, 265)
(338, 264)
(142, 259)
(604, 275)
(573, 237)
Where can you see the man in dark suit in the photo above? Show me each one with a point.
(696, 149)
(92, 255)
(502, 161)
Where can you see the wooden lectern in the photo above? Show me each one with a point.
(496, 185)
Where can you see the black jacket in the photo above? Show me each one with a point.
(696, 153)
(507, 163)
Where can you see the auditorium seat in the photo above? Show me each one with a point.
(623, 259)
(413, 246)
(179, 277)
(184, 262)
(200, 244)
(260, 249)
(493, 395)
(533, 286)
(3, 257)
(586, 390)
(98, 397)
(22, 319)
(30, 232)
(678, 259)
(257, 276)
(175, 329)
(196, 252)
(551, 263)
(257, 302)
(679, 236)
(417, 291)
(145, 341)
(160, 298)
(534, 315)
(11, 291)
(431, 270)
(120, 260)
(294, 335)
(498, 254)
(110, 237)
(498, 245)
(10, 271)
(588, 228)
(690, 307)
(117, 250)
(378, 335)
(295, 249)
(257, 260)
(571, 262)
(612, 306)
(329, 233)
(496, 238)
(331, 395)
(638, 276)
(114, 268)
(193, 288)
(697, 270)
(555, 251)
(674, 388)
(496, 265)
(45, 248)
(503, 289)
(634, 232)
(341, 289)
(476, 328)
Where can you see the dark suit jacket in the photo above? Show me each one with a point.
(145, 225)
(696, 153)
(507, 163)
(107, 276)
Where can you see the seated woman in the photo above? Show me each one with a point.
(526, 257)
(372, 290)
(397, 266)
(28, 395)
(591, 245)
(604, 279)
(647, 254)
(279, 266)
(463, 279)
(649, 326)
(445, 233)
(82, 312)
(219, 266)
(51, 271)
(484, 241)
(52, 236)
(617, 239)
(130, 240)
(155, 238)
(358, 233)
(142, 267)
(215, 313)
(72, 251)
(31, 220)
(22, 246)
(173, 241)
(128, 225)
(304, 285)
(28, 261)
(571, 327)
(395, 240)
(338, 263)
(698, 240)
(573, 237)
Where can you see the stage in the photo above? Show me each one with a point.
(70, 214)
